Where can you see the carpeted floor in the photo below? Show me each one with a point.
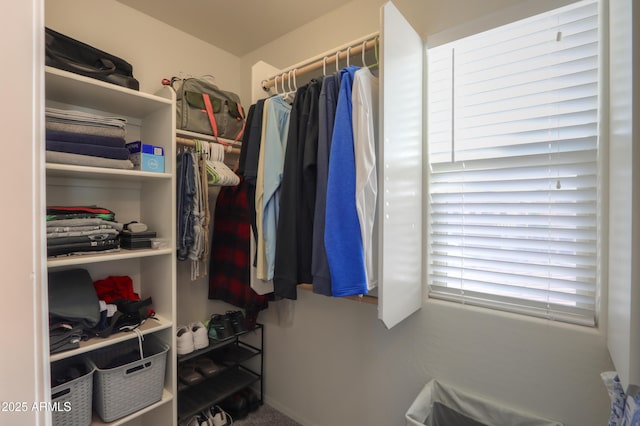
(266, 416)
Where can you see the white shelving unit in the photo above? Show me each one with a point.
(133, 195)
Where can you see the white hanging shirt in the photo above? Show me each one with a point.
(365, 136)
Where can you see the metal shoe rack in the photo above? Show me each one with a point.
(237, 372)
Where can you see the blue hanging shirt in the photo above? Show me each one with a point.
(342, 236)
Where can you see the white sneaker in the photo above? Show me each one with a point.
(200, 335)
(184, 341)
(218, 417)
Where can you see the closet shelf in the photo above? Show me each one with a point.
(166, 397)
(371, 300)
(67, 170)
(150, 326)
(55, 262)
(74, 89)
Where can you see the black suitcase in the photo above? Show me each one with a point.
(72, 55)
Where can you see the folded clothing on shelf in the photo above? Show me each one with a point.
(114, 153)
(81, 229)
(88, 135)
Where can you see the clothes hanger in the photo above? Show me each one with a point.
(324, 66)
(364, 62)
(287, 94)
(337, 66)
(275, 85)
(284, 91)
(348, 55)
(375, 49)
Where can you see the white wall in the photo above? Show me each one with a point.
(338, 365)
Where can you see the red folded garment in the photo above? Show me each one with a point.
(114, 288)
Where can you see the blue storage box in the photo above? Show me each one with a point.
(148, 158)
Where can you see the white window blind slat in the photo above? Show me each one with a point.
(513, 155)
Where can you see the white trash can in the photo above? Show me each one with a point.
(438, 404)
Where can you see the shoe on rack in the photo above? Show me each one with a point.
(218, 417)
(219, 327)
(205, 366)
(200, 335)
(188, 374)
(197, 420)
(237, 321)
(184, 341)
(236, 405)
(252, 398)
(203, 420)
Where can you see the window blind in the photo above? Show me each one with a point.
(513, 155)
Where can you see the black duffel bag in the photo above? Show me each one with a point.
(72, 55)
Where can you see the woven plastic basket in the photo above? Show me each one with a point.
(122, 386)
(71, 401)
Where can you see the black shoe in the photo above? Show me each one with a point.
(252, 399)
(237, 321)
(236, 405)
(220, 327)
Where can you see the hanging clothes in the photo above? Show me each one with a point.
(309, 161)
(242, 160)
(273, 147)
(186, 191)
(297, 203)
(251, 145)
(328, 100)
(343, 239)
(259, 201)
(365, 135)
(229, 276)
(285, 278)
(200, 250)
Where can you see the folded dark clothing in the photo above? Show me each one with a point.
(114, 142)
(86, 149)
(56, 241)
(87, 160)
(63, 337)
(93, 246)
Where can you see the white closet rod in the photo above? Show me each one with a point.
(192, 143)
(319, 62)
